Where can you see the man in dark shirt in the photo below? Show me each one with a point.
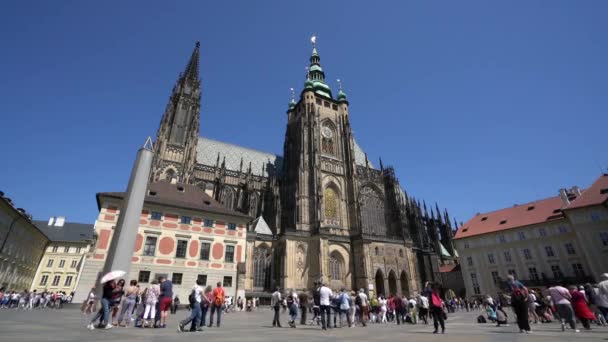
(104, 311)
(303, 306)
(316, 297)
(165, 299)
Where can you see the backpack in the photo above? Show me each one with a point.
(358, 300)
(192, 298)
(518, 294)
(481, 319)
(219, 298)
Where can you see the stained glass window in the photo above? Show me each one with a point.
(331, 204)
(336, 264)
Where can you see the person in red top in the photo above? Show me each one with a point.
(217, 304)
(581, 309)
(436, 306)
(391, 307)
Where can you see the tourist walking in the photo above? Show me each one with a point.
(344, 307)
(292, 304)
(205, 304)
(362, 307)
(195, 300)
(581, 309)
(303, 306)
(217, 304)
(116, 299)
(325, 295)
(436, 309)
(423, 308)
(562, 300)
(128, 304)
(602, 296)
(275, 304)
(104, 312)
(519, 298)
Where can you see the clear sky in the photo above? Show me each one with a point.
(477, 104)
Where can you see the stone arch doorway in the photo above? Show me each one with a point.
(380, 283)
(405, 288)
(392, 283)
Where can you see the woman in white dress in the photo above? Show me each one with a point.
(383, 310)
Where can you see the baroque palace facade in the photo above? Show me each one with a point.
(322, 211)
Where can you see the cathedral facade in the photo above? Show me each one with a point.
(321, 211)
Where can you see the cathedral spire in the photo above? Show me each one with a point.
(438, 213)
(191, 72)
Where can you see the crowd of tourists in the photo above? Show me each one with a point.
(28, 300)
(584, 304)
(348, 308)
(125, 305)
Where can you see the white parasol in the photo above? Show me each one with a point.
(112, 275)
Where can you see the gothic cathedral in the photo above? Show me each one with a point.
(321, 211)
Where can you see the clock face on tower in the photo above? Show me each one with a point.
(327, 133)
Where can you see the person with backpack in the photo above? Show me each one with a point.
(436, 309)
(519, 299)
(195, 299)
(218, 296)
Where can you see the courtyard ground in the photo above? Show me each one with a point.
(69, 325)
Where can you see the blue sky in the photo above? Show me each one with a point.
(477, 104)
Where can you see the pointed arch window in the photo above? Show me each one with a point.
(336, 266)
(228, 197)
(261, 267)
(332, 205)
(328, 139)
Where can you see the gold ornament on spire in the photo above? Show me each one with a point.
(313, 40)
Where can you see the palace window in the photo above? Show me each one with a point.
(475, 283)
(512, 272)
(176, 278)
(331, 204)
(557, 272)
(182, 246)
(491, 258)
(205, 248)
(495, 277)
(521, 235)
(144, 276)
(61, 263)
(150, 246)
(604, 238)
(507, 256)
(74, 263)
(502, 239)
(470, 261)
(578, 270)
(186, 220)
(229, 257)
(208, 223)
(549, 251)
(55, 249)
(50, 263)
(202, 278)
(527, 254)
(570, 248)
(533, 273)
(56, 280)
(66, 249)
(336, 266)
(44, 280)
(542, 232)
(227, 281)
(231, 226)
(68, 281)
(156, 216)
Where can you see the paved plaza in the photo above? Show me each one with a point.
(69, 325)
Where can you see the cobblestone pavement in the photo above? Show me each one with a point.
(69, 325)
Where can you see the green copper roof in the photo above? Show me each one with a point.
(341, 95)
(292, 104)
(308, 84)
(314, 51)
(323, 93)
(316, 67)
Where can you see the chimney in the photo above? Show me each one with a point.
(51, 220)
(60, 221)
(576, 191)
(564, 196)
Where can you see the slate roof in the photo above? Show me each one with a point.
(192, 197)
(69, 232)
(261, 227)
(262, 163)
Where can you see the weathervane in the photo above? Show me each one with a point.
(313, 40)
(293, 94)
(339, 83)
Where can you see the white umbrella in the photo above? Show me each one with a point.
(113, 275)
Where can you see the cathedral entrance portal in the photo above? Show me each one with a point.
(380, 283)
(405, 289)
(392, 283)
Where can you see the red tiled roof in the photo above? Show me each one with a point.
(548, 209)
(596, 194)
(449, 268)
(544, 210)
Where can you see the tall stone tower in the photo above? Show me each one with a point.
(177, 136)
(317, 193)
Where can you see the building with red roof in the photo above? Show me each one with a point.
(560, 239)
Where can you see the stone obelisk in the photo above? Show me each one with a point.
(122, 245)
